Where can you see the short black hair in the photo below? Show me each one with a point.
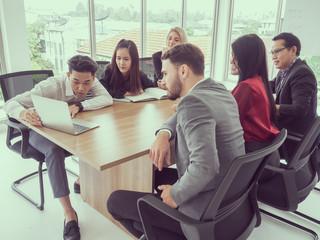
(290, 40)
(186, 53)
(82, 63)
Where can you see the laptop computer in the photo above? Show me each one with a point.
(56, 115)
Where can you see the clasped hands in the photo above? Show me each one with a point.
(160, 152)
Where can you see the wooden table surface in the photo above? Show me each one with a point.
(126, 131)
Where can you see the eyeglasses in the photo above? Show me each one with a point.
(276, 52)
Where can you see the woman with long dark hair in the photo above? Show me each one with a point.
(253, 94)
(122, 76)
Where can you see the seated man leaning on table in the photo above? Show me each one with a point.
(72, 88)
(208, 137)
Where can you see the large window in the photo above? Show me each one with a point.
(314, 64)
(199, 27)
(1, 64)
(60, 29)
(251, 16)
(55, 29)
(161, 17)
(115, 20)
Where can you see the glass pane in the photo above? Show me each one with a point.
(161, 17)
(115, 20)
(314, 64)
(200, 15)
(56, 30)
(251, 16)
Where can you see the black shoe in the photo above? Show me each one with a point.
(71, 230)
(76, 187)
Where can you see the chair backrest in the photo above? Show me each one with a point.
(306, 146)
(101, 67)
(146, 66)
(240, 179)
(16, 83)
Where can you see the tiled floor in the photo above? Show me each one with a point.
(22, 221)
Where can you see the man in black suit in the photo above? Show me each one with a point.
(295, 85)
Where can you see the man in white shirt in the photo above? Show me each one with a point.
(73, 89)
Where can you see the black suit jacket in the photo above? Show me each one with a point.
(157, 64)
(297, 97)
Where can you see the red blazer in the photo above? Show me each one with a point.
(254, 110)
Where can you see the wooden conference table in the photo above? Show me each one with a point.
(114, 155)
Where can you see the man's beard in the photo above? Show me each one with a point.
(175, 92)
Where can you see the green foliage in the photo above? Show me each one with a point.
(125, 14)
(190, 31)
(101, 13)
(80, 11)
(248, 26)
(35, 30)
(41, 64)
(314, 64)
(251, 26)
(163, 16)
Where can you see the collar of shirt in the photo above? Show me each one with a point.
(284, 72)
(69, 91)
(196, 85)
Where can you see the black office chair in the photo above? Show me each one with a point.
(17, 133)
(146, 66)
(295, 179)
(101, 67)
(233, 212)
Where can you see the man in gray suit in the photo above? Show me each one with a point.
(208, 137)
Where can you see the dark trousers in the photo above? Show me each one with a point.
(168, 176)
(54, 157)
(122, 205)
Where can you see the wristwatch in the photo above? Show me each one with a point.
(79, 105)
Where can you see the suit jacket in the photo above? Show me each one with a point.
(254, 110)
(208, 137)
(157, 64)
(297, 96)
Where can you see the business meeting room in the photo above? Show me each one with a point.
(159, 120)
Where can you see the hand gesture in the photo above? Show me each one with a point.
(73, 110)
(31, 117)
(160, 150)
(166, 196)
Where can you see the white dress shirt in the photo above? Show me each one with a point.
(58, 88)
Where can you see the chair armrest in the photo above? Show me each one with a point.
(151, 201)
(16, 125)
(291, 137)
(276, 169)
(24, 133)
(165, 209)
(294, 135)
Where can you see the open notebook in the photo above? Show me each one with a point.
(150, 94)
(56, 115)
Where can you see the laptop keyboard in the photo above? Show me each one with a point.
(80, 128)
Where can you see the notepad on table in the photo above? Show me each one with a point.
(150, 94)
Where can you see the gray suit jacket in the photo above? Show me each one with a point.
(208, 137)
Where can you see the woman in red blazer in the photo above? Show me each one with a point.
(253, 94)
